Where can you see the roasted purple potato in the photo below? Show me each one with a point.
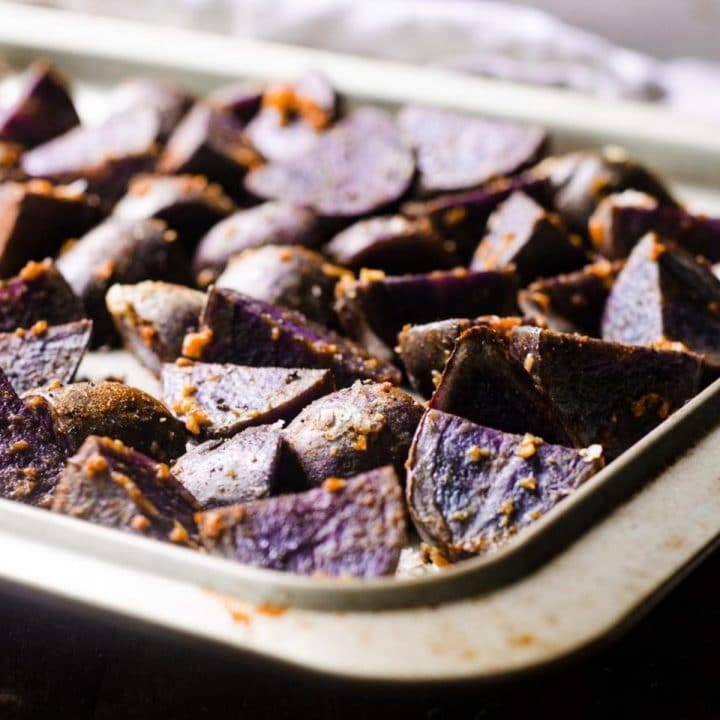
(664, 295)
(353, 527)
(523, 236)
(293, 116)
(392, 243)
(374, 308)
(170, 102)
(471, 488)
(37, 218)
(271, 223)
(352, 430)
(113, 485)
(573, 302)
(457, 152)
(460, 219)
(105, 156)
(425, 349)
(358, 167)
(33, 450)
(42, 354)
(220, 400)
(233, 470)
(605, 392)
(152, 318)
(579, 181)
(187, 203)
(120, 251)
(242, 100)
(483, 383)
(335, 255)
(621, 220)
(210, 143)
(42, 108)
(290, 276)
(38, 293)
(115, 410)
(237, 329)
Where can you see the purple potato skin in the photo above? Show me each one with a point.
(375, 308)
(31, 358)
(579, 181)
(471, 488)
(120, 251)
(32, 449)
(483, 383)
(271, 223)
(605, 392)
(290, 276)
(293, 116)
(459, 152)
(621, 220)
(237, 329)
(524, 236)
(573, 302)
(114, 410)
(43, 109)
(210, 143)
(39, 292)
(392, 243)
(153, 317)
(110, 484)
(241, 100)
(663, 294)
(425, 349)
(187, 203)
(239, 469)
(460, 219)
(353, 430)
(359, 167)
(105, 156)
(169, 101)
(37, 218)
(344, 528)
(221, 400)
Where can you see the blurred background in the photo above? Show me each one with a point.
(663, 51)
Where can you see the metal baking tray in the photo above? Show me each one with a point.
(577, 577)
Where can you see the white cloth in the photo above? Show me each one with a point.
(513, 42)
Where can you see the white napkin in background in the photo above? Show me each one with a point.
(509, 41)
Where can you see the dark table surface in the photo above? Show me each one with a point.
(57, 660)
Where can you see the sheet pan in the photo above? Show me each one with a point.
(579, 576)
